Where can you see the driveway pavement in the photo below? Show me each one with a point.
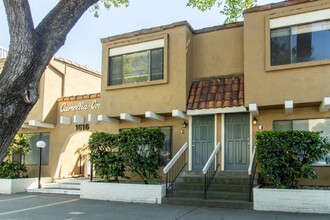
(49, 206)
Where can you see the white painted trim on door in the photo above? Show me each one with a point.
(212, 111)
(215, 137)
(222, 142)
(190, 143)
(251, 133)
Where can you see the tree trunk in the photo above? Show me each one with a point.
(30, 51)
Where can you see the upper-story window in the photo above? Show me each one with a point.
(136, 63)
(300, 43)
(298, 40)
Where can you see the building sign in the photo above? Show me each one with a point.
(81, 106)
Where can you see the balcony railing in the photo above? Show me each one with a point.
(175, 167)
(208, 171)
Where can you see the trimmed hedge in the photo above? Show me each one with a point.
(136, 150)
(286, 156)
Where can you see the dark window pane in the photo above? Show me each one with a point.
(282, 125)
(300, 43)
(280, 46)
(136, 67)
(32, 158)
(311, 42)
(156, 72)
(165, 154)
(116, 70)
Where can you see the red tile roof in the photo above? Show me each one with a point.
(216, 93)
(80, 97)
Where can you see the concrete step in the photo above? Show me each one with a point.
(71, 180)
(70, 186)
(60, 186)
(230, 204)
(55, 191)
(228, 195)
(213, 187)
(186, 193)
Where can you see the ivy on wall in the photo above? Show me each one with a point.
(286, 156)
(136, 150)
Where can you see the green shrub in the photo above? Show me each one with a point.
(105, 156)
(12, 170)
(112, 154)
(286, 156)
(141, 148)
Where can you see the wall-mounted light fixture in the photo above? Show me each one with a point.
(185, 124)
(254, 121)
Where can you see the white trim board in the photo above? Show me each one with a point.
(136, 47)
(216, 111)
(300, 18)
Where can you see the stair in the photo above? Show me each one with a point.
(70, 186)
(227, 190)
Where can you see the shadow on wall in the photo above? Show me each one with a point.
(72, 155)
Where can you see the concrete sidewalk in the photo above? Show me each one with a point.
(46, 206)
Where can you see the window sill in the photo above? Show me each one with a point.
(297, 65)
(133, 85)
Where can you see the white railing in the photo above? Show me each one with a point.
(212, 157)
(175, 158)
(251, 161)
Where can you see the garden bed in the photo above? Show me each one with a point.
(9, 186)
(123, 192)
(292, 200)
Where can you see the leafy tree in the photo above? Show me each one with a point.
(31, 48)
(19, 145)
(14, 169)
(232, 9)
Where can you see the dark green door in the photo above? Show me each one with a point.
(237, 137)
(202, 140)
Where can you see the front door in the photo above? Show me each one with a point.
(202, 140)
(237, 138)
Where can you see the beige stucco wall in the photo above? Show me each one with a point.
(302, 85)
(66, 140)
(79, 82)
(160, 98)
(62, 79)
(218, 53)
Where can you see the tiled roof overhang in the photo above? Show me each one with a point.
(216, 93)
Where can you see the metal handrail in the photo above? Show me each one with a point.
(252, 171)
(175, 158)
(251, 162)
(206, 170)
(175, 167)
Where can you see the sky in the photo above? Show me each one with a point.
(83, 44)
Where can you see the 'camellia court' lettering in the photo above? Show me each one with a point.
(81, 106)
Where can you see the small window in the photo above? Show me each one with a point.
(136, 67)
(166, 153)
(300, 43)
(320, 125)
(32, 158)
